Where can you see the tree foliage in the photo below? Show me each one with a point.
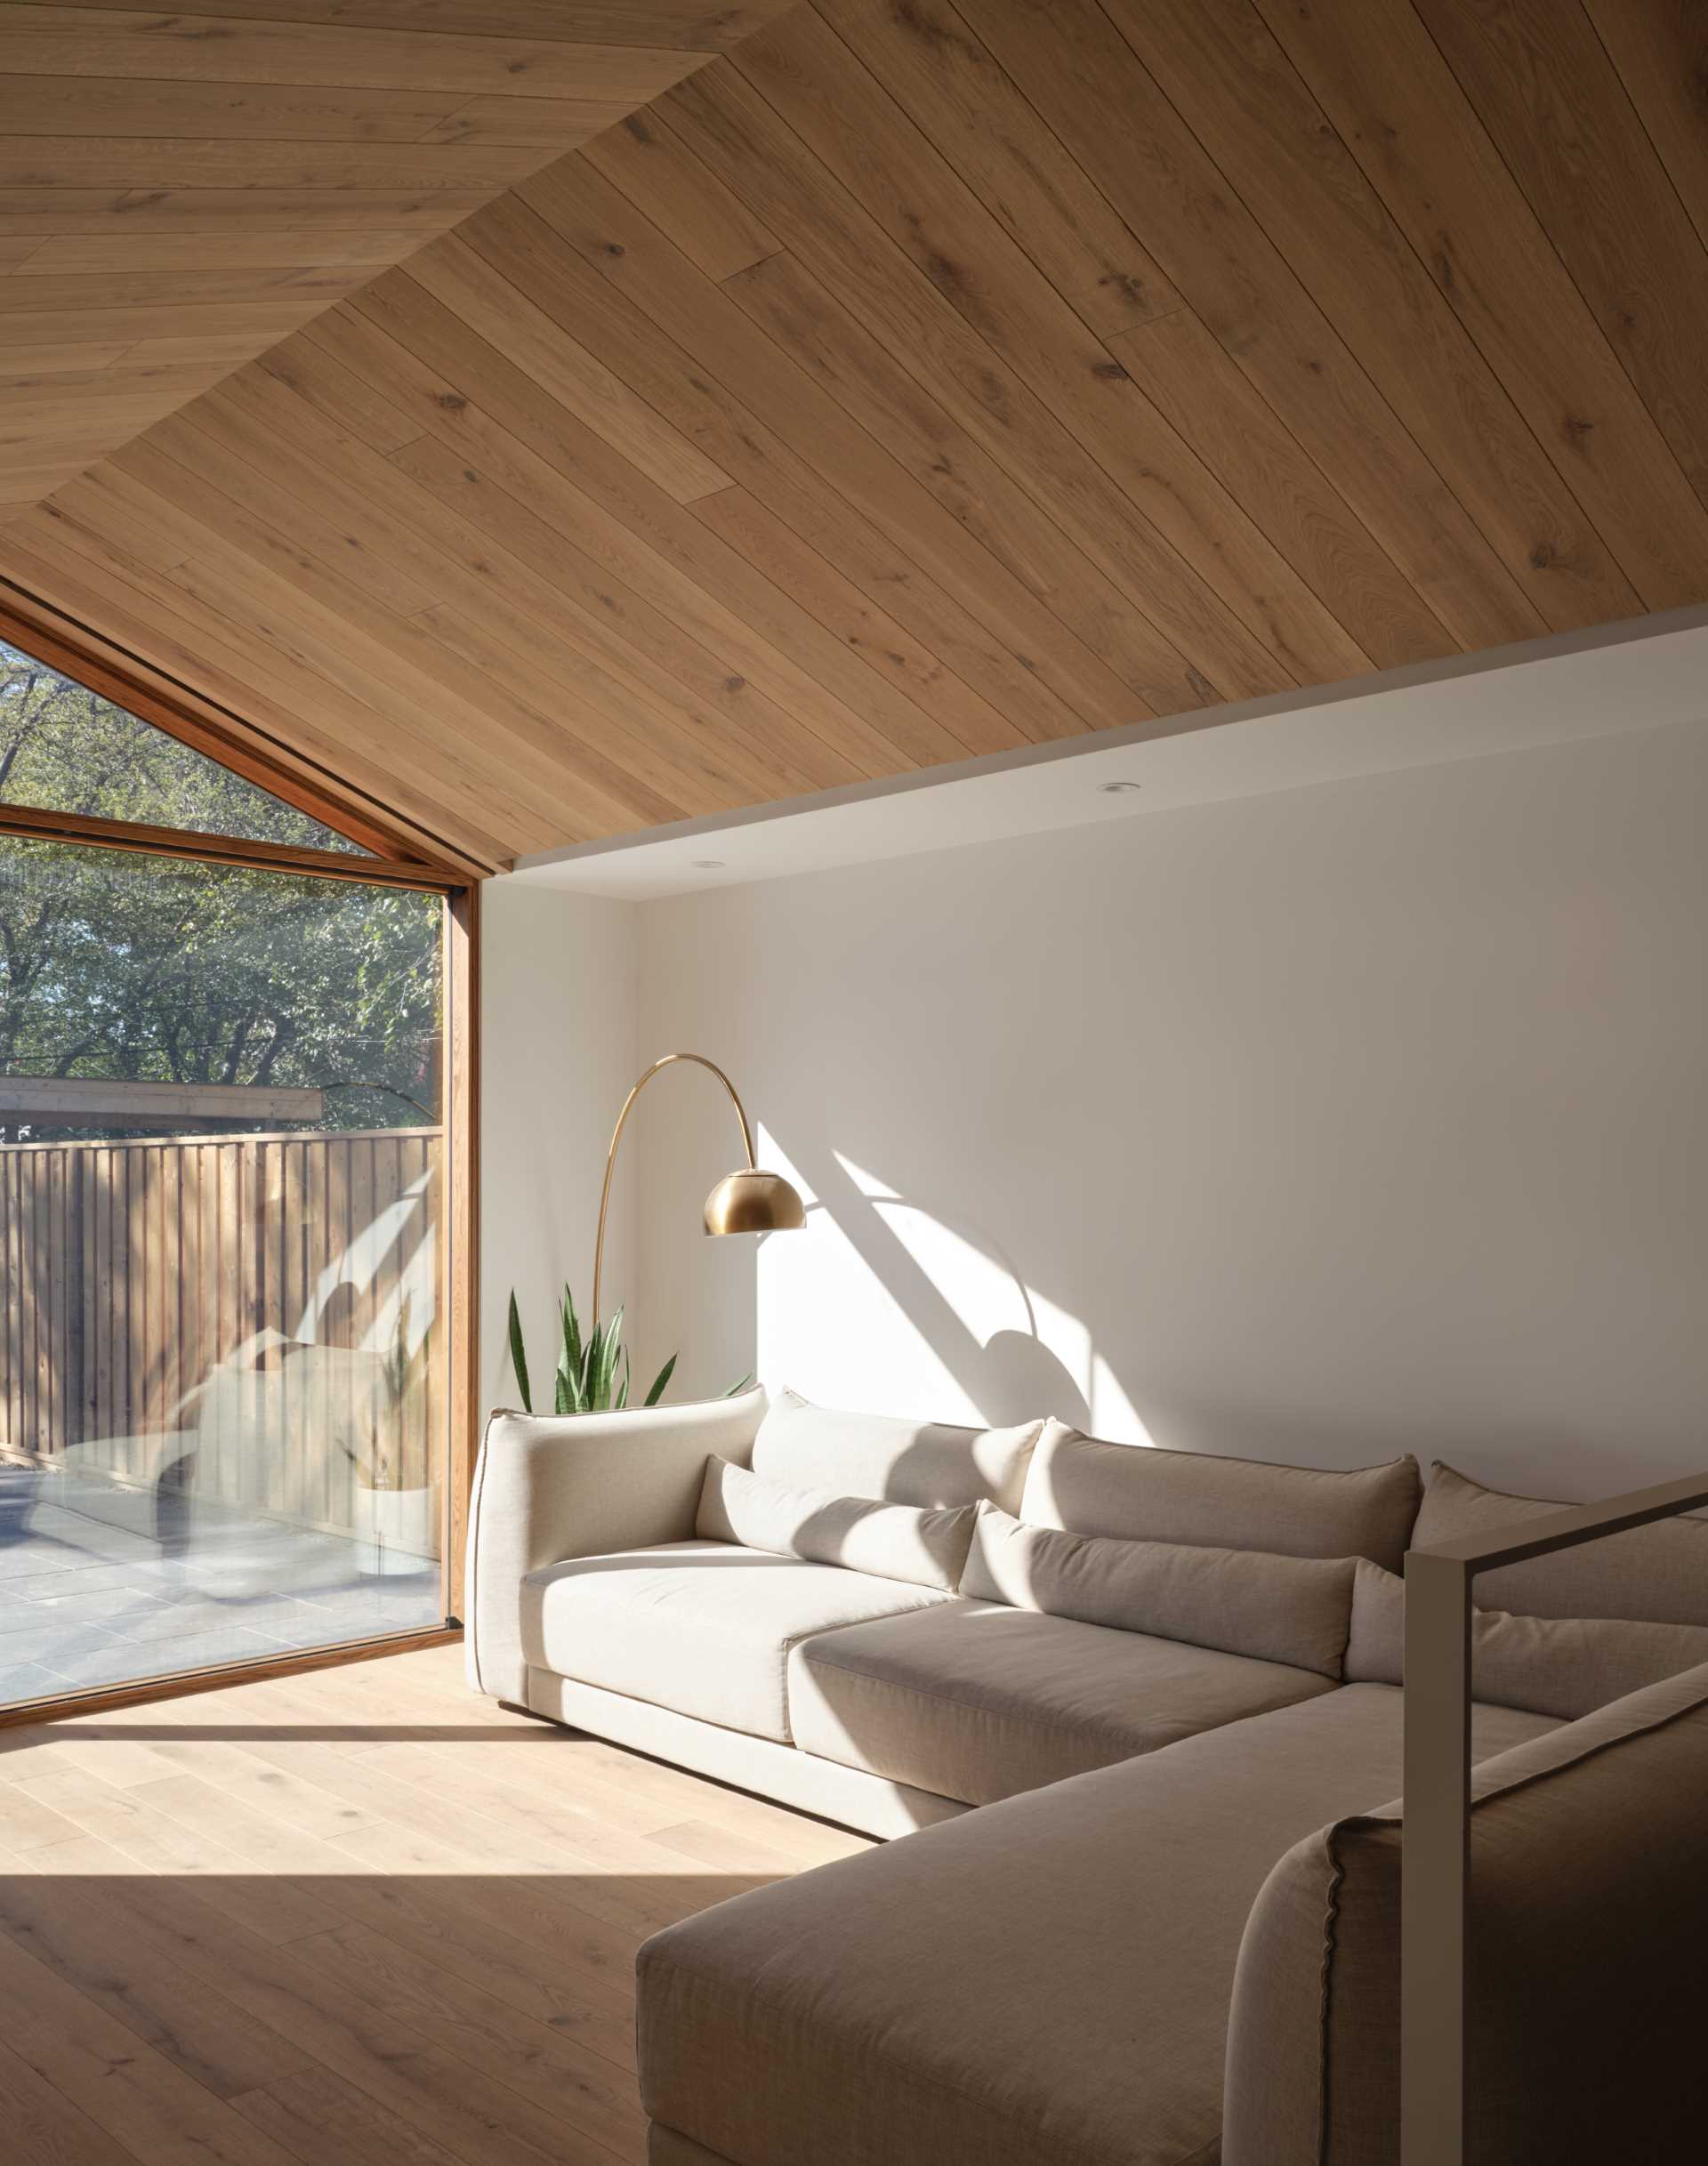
(116, 965)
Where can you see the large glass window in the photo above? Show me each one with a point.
(223, 1398)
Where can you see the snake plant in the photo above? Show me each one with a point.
(592, 1373)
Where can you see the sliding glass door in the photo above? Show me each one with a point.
(224, 1398)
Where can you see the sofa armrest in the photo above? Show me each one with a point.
(552, 1487)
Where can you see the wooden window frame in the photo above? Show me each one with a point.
(400, 857)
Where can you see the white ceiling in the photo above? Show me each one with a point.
(1644, 675)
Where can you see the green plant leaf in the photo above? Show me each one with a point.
(740, 1386)
(623, 1386)
(659, 1382)
(603, 1367)
(518, 1356)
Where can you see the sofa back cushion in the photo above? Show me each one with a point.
(1280, 1609)
(1658, 1573)
(1590, 1915)
(882, 1455)
(925, 1545)
(1145, 1495)
(1561, 1666)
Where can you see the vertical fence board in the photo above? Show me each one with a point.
(136, 1278)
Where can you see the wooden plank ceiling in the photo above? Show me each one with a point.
(918, 380)
(178, 192)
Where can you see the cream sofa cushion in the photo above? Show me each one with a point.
(702, 1627)
(548, 1488)
(1656, 1573)
(1043, 1982)
(1561, 1666)
(1145, 1495)
(975, 1702)
(882, 1455)
(1278, 1609)
(897, 1542)
(1584, 1981)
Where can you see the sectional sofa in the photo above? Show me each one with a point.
(1138, 1715)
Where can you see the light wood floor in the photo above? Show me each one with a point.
(360, 1916)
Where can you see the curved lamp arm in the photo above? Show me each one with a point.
(668, 1060)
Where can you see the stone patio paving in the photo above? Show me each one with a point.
(91, 1595)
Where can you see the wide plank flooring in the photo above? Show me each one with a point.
(360, 1916)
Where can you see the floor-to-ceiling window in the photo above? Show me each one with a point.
(225, 1387)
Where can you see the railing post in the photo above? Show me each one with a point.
(1435, 1866)
(1434, 1862)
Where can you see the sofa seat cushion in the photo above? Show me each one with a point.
(977, 1700)
(1044, 1983)
(703, 1627)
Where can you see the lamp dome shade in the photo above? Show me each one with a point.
(752, 1201)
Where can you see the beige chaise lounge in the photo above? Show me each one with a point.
(1168, 1937)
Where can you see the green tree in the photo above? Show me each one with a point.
(116, 965)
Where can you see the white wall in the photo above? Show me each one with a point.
(1356, 1119)
(558, 1053)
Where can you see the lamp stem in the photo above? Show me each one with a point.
(664, 1061)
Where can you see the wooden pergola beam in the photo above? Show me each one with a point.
(64, 1102)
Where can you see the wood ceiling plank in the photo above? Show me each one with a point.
(346, 398)
(237, 576)
(29, 361)
(132, 256)
(222, 112)
(397, 512)
(1660, 49)
(928, 58)
(735, 133)
(30, 291)
(488, 461)
(700, 785)
(775, 548)
(996, 632)
(1231, 81)
(1000, 349)
(1201, 389)
(575, 640)
(216, 210)
(531, 255)
(971, 488)
(121, 43)
(541, 574)
(195, 439)
(645, 160)
(467, 281)
(151, 162)
(222, 353)
(267, 691)
(478, 727)
(1088, 83)
(686, 564)
(1379, 76)
(692, 25)
(552, 123)
(1541, 81)
(276, 313)
(943, 226)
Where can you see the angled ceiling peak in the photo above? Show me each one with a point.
(912, 379)
(180, 191)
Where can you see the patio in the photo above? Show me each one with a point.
(92, 1594)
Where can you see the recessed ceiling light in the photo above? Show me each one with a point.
(708, 865)
(1118, 789)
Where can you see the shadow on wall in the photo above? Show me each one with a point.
(1010, 1376)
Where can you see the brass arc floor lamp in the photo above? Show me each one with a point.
(748, 1201)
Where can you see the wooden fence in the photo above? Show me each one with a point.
(240, 1296)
